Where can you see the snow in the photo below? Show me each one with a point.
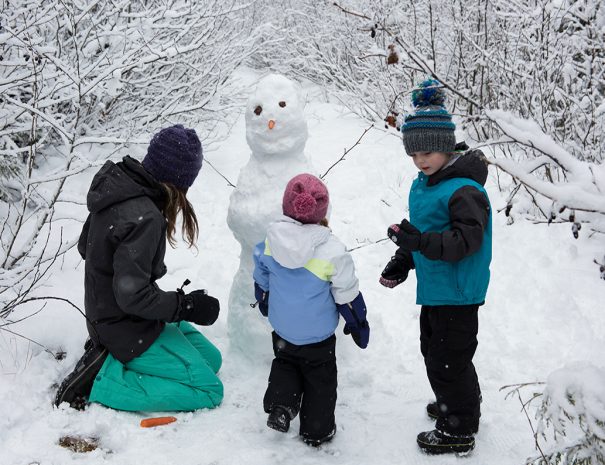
(583, 383)
(544, 310)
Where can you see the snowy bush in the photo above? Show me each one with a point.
(345, 52)
(572, 412)
(566, 188)
(77, 76)
(543, 60)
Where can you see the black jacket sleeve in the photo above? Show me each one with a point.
(133, 285)
(469, 214)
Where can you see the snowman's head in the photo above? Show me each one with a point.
(275, 124)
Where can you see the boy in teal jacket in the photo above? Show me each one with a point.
(448, 241)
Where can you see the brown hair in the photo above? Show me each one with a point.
(175, 203)
(324, 222)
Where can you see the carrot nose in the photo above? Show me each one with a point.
(271, 124)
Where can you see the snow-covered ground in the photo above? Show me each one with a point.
(544, 310)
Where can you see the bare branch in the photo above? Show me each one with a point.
(346, 151)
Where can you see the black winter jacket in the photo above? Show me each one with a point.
(123, 243)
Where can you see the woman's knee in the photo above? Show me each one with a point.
(214, 358)
(212, 388)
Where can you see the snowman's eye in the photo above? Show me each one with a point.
(258, 110)
(282, 104)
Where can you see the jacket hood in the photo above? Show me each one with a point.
(293, 244)
(117, 182)
(470, 165)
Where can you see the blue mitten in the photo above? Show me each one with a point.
(356, 324)
(262, 297)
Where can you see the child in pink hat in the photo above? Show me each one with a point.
(304, 279)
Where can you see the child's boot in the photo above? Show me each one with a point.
(316, 442)
(432, 410)
(279, 419)
(438, 442)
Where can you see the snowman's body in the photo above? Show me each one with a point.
(276, 132)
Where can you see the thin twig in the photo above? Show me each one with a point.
(229, 183)
(516, 390)
(347, 151)
(521, 385)
(368, 244)
(46, 349)
(359, 15)
(31, 299)
(531, 425)
(12, 322)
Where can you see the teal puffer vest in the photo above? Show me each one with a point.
(445, 283)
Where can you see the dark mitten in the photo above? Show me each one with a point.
(395, 272)
(356, 324)
(199, 307)
(360, 335)
(262, 297)
(405, 235)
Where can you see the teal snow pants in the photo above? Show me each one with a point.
(177, 373)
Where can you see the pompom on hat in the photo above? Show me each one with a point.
(430, 127)
(174, 156)
(306, 199)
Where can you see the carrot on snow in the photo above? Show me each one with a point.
(156, 421)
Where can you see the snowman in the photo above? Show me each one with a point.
(276, 132)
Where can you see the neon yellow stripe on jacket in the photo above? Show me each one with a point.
(323, 269)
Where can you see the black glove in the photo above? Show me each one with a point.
(405, 235)
(199, 307)
(394, 273)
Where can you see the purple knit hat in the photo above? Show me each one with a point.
(306, 199)
(174, 156)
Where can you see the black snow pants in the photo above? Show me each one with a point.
(448, 340)
(304, 379)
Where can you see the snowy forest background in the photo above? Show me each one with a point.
(85, 81)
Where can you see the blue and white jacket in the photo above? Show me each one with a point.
(307, 271)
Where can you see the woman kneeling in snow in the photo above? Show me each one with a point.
(142, 354)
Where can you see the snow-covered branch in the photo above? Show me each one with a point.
(573, 407)
(583, 186)
(81, 75)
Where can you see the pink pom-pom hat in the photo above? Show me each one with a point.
(306, 199)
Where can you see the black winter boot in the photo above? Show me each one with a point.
(76, 386)
(279, 419)
(432, 410)
(437, 442)
(318, 442)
